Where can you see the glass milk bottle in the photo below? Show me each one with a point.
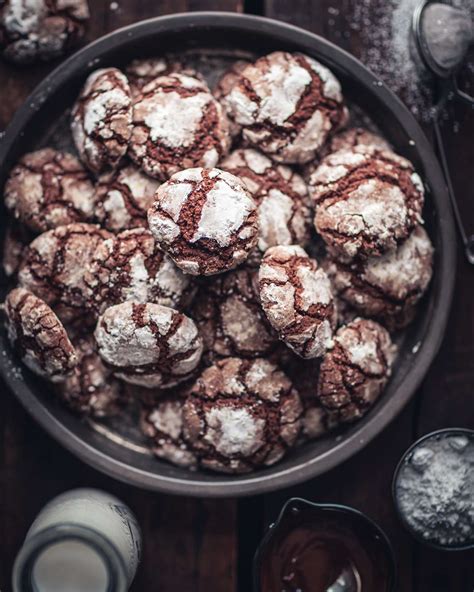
(84, 540)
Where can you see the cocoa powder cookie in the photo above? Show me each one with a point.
(38, 336)
(387, 287)
(40, 30)
(230, 318)
(15, 243)
(287, 105)
(54, 267)
(91, 389)
(163, 425)
(297, 299)
(304, 375)
(148, 344)
(101, 121)
(47, 189)
(281, 195)
(129, 266)
(205, 219)
(241, 414)
(224, 86)
(177, 124)
(367, 201)
(346, 140)
(123, 198)
(142, 71)
(356, 136)
(355, 371)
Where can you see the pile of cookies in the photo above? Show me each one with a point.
(233, 262)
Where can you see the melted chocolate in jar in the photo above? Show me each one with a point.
(332, 552)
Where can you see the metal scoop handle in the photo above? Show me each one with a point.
(467, 239)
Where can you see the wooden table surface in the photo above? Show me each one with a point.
(195, 545)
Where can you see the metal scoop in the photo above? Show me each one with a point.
(443, 34)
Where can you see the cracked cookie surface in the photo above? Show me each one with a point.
(163, 425)
(297, 299)
(230, 318)
(224, 86)
(149, 345)
(38, 336)
(367, 201)
(54, 267)
(287, 104)
(346, 140)
(281, 195)
(354, 373)
(101, 120)
(205, 219)
(48, 188)
(142, 71)
(177, 124)
(91, 389)
(40, 30)
(241, 414)
(387, 287)
(123, 198)
(130, 266)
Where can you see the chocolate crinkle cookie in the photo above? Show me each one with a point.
(241, 414)
(149, 345)
(129, 266)
(123, 198)
(54, 267)
(387, 287)
(205, 219)
(162, 423)
(367, 201)
(47, 189)
(224, 86)
(177, 124)
(15, 243)
(355, 136)
(142, 71)
(101, 121)
(346, 140)
(281, 194)
(38, 336)
(40, 30)
(287, 105)
(355, 371)
(230, 318)
(297, 299)
(91, 389)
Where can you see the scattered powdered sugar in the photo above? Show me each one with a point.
(388, 49)
(435, 489)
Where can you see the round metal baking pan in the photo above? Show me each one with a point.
(34, 124)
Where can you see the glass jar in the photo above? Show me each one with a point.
(84, 540)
